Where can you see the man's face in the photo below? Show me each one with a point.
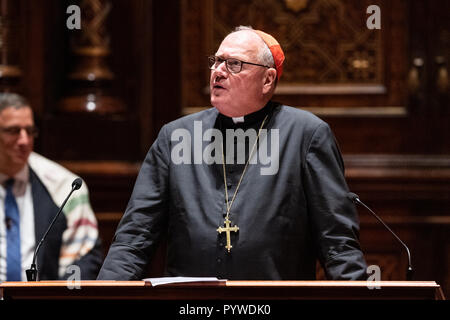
(238, 94)
(15, 148)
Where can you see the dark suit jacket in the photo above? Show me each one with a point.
(286, 220)
(48, 256)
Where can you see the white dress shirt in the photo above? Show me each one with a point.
(24, 199)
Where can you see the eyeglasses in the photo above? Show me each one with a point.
(15, 131)
(233, 65)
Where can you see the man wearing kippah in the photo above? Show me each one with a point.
(250, 189)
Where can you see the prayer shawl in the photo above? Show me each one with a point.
(81, 233)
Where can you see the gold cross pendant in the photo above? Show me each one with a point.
(227, 229)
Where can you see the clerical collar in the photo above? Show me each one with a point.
(247, 120)
(238, 119)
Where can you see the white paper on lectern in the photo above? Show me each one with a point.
(166, 280)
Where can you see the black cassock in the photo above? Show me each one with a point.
(291, 207)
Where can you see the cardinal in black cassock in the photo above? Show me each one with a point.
(250, 189)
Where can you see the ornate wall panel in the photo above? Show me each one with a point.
(330, 52)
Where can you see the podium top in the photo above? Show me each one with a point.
(219, 290)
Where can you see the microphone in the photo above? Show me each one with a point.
(32, 272)
(409, 272)
(8, 223)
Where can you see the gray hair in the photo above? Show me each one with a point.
(14, 100)
(264, 55)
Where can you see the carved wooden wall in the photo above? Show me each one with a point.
(101, 94)
(332, 58)
(382, 92)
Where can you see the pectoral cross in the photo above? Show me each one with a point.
(227, 229)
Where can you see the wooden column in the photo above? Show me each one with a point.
(10, 71)
(91, 78)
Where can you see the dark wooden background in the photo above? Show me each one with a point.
(140, 63)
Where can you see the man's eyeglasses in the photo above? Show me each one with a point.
(233, 65)
(15, 131)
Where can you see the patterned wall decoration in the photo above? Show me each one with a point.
(329, 49)
(325, 41)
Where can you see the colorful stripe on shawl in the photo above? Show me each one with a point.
(82, 229)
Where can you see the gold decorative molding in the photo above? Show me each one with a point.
(9, 71)
(388, 111)
(325, 42)
(323, 89)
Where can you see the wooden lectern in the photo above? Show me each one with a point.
(224, 290)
